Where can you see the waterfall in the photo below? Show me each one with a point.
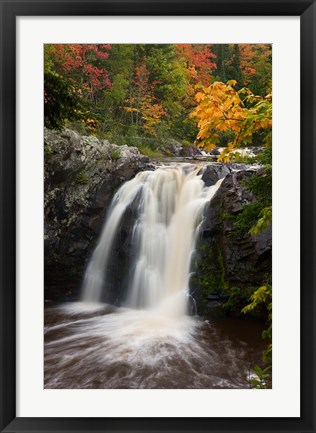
(170, 203)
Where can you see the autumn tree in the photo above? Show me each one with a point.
(222, 108)
(142, 104)
(199, 62)
(75, 78)
(84, 65)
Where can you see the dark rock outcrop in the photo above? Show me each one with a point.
(81, 177)
(225, 259)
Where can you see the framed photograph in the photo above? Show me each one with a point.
(141, 154)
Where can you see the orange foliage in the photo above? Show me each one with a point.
(222, 108)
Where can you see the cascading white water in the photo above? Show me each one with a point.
(170, 206)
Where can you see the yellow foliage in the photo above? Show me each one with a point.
(130, 109)
(199, 96)
(221, 108)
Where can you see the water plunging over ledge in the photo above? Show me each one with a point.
(170, 206)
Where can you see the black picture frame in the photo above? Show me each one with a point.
(12, 9)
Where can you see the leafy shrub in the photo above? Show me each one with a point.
(115, 154)
(82, 178)
(262, 297)
(148, 151)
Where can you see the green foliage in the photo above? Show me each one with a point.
(115, 154)
(249, 64)
(247, 218)
(261, 217)
(82, 178)
(263, 222)
(60, 101)
(223, 55)
(238, 298)
(234, 71)
(211, 269)
(265, 158)
(47, 150)
(261, 378)
(261, 82)
(260, 184)
(148, 151)
(238, 157)
(263, 295)
(256, 217)
(267, 354)
(262, 298)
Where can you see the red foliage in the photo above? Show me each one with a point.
(198, 61)
(247, 55)
(141, 79)
(77, 61)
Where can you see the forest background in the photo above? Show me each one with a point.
(145, 94)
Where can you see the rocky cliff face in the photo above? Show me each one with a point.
(81, 177)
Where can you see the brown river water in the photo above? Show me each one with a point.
(98, 346)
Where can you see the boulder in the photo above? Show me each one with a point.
(175, 148)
